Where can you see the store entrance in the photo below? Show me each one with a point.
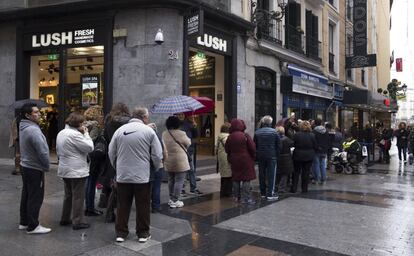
(206, 79)
(68, 80)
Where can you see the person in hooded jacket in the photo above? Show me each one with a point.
(323, 146)
(34, 162)
(402, 135)
(241, 152)
(224, 167)
(284, 161)
(303, 155)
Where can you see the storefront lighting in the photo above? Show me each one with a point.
(99, 47)
(201, 55)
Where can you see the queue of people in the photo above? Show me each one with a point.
(126, 153)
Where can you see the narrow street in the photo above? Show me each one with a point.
(351, 215)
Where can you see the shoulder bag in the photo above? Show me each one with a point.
(185, 150)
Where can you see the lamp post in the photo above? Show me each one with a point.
(258, 13)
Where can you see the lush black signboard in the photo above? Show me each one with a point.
(201, 69)
(195, 23)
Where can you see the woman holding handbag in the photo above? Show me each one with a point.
(176, 144)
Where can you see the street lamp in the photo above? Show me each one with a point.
(259, 14)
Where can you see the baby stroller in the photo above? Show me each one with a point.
(339, 160)
(351, 160)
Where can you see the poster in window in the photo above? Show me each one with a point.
(201, 69)
(90, 89)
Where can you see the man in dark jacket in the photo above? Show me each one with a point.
(284, 161)
(323, 144)
(267, 150)
(34, 162)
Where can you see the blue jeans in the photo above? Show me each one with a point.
(267, 175)
(90, 192)
(319, 167)
(156, 189)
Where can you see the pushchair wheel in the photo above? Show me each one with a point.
(339, 168)
(348, 170)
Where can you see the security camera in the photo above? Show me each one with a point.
(159, 37)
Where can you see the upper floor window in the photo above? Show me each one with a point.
(363, 80)
(349, 9)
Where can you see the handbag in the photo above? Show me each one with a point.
(185, 150)
(100, 148)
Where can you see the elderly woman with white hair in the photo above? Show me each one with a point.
(267, 150)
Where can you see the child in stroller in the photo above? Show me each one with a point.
(354, 156)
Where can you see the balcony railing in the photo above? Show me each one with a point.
(268, 28)
(313, 48)
(332, 63)
(295, 40)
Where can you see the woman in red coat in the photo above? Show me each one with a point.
(241, 152)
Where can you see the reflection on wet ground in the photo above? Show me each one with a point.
(351, 215)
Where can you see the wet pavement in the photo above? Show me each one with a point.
(371, 214)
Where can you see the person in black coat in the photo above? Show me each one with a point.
(285, 161)
(323, 147)
(305, 147)
(402, 135)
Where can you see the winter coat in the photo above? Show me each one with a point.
(223, 164)
(72, 148)
(305, 146)
(402, 138)
(267, 143)
(111, 125)
(323, 140)
(132, 148)
(411, 142)
(191, 132)
(337, 142)
(34, 151)
(241, 152)
(285, 161)
(177, 159)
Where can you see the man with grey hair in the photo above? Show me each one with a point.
(267, 151)
(133, 146)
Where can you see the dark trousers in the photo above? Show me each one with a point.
(226, 187)
(301, 169)
(32, 197)
(403, 151)
(281, 182)
(156, 189)
(267, 175)
(95, 171)
(73, 200)
(126, 193)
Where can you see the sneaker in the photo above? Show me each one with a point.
(272, 198)
(65, 223)
(120, 239)
(196, 192)
(144, 239)
(22, 227)
(80, 226)
(198, 179)
(262, 196)
(170, 202)
(39, 230)
(177, 204)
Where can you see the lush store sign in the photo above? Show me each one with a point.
(72, 38)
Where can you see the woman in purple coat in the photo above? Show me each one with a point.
(241, 152)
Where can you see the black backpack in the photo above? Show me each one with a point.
(100, 148)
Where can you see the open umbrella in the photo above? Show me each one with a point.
(176, 104)
(19, 104)
(208, 106)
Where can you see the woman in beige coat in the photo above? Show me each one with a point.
(177, 164)
(224, 167)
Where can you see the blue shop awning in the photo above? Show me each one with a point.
(299, 71)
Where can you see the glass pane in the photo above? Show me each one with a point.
(84, 78)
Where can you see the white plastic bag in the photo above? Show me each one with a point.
(364, 151)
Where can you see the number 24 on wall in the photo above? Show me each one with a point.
(173, 55)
